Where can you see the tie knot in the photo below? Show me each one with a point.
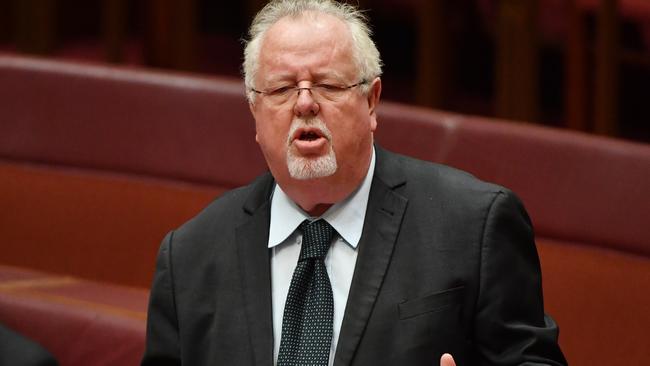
(316, 238)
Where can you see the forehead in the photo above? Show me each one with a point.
(305, 47)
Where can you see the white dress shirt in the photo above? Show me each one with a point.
(347, 218)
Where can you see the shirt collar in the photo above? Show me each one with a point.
(346, 217)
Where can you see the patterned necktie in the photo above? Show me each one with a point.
(309, 310)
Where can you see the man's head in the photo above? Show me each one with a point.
(312, 78)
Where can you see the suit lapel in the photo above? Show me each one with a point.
(253, 254)
(381, 227)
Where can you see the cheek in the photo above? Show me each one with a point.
(271, 136)
(265, 135)
(354, 125)
(351, 139)
(268, 125)
(355, 136)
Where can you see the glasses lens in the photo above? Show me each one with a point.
(320, 92)
(330, 92)
(279, 95)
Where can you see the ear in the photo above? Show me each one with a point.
(373, 101)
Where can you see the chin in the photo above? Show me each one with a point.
(302, 168)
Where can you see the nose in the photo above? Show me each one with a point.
(305, 104)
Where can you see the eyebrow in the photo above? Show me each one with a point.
(327, 75)
(316, 76)
(279, 78)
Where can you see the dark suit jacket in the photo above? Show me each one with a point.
(18, 350)
(446, 263)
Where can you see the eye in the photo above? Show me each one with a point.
(279, 90)
(328, 87)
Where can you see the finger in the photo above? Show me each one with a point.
(447, 360)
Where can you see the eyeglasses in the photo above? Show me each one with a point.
(320, 92)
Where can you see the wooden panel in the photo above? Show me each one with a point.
(576, 74)
(432, 54)
(114, 19)
(35, 25)
(607, 69)
(517, 61)
(171, 34)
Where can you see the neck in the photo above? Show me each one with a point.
(315, 196)
(319, 209)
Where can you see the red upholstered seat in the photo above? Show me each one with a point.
(89, 223)
(597, 297)
(588, 199)
(127, 120)
(79, 322)
(98, 163)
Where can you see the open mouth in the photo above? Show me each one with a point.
(308, 134)
(309, 141)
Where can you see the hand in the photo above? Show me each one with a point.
(447, 360)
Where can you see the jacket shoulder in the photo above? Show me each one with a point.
(229, 209)
(426, 176)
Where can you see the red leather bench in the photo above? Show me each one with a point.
(98, 163)
(80, 322)
(588, 200)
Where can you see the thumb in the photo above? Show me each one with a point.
(447, 360)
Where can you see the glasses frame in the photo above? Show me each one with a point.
(297, 89)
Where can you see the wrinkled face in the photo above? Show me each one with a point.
(309, 135)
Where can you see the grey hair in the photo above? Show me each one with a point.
(366, 55)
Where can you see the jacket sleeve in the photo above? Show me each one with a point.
(510, 326)
(18, 350)
(162, 343)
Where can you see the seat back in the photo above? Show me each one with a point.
(588, 199)
(103, 161)
(97, 163)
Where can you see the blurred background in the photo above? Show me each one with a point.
(98, 163)
(578, 64)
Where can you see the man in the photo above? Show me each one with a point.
(345, 254)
